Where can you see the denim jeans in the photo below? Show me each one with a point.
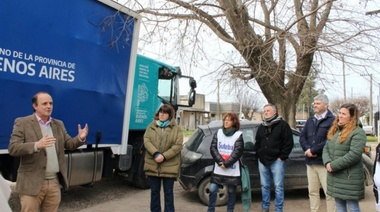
(214, 188)
(277, 171)
(341, 205)
(155, 190)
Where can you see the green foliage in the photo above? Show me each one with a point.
(309, 92)
(187, 133)
(371, 139)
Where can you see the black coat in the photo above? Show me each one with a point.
(274, 143)
(314, 135)
(235, 156)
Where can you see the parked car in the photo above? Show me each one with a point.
(300, 123)
(197, 163)
(368, 130)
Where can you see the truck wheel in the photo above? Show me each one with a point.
(204, 192)
(139, 178)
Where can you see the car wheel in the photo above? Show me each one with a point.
(204, 193)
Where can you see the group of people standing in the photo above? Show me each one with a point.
(274, 142)
(163, 141)
(333, 149)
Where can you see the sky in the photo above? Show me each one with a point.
(356, 84)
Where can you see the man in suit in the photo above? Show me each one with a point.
(313, 139)
(40, 141)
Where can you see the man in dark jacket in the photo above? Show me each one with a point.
(274, 142)
(313, 139)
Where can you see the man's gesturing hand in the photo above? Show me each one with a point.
(82, 133)
(45, 141)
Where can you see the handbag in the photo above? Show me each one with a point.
(245, 181)
(246, 197)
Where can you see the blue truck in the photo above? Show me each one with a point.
(84, 53)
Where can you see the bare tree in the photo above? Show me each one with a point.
(250, 103)
(362, 102)
(276, 41)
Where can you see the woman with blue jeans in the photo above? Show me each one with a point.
(342, 157)
(163, 140)
(227, 147)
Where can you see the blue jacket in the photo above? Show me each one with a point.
(314, 135)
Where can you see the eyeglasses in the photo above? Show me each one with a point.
(163, 113)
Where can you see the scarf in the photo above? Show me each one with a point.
(229, 132)
(272, 120)
(267, 123)
(162, 124)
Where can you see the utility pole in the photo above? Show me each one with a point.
(344, 80)
(241, 105)
(218, 103)
(370, 98)
(371, 102)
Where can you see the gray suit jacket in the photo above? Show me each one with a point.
(31, 172)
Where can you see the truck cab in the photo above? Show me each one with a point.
(155, 83)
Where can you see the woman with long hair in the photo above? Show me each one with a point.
(226, 148)
(342, 157)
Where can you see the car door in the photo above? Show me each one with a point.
(295, 172)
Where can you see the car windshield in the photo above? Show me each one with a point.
(249, 138)
(195, 140)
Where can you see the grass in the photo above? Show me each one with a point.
(371, 139)
(187, 133)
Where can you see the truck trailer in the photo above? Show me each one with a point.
(84, 53)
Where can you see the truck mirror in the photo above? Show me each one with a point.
(165, 73)
(192, 97)
(193, 83)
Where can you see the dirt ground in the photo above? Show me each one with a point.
(115, 195)
(295, 201)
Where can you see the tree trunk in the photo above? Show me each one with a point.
(286, 107)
